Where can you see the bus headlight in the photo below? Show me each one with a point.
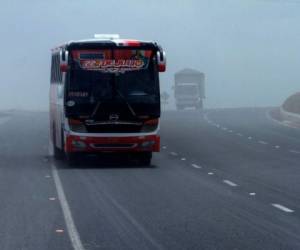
(147, 144)
(79, 144)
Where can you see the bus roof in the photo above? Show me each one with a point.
(96, 43)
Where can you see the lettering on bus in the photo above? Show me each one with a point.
(78, 94)
(111, 66)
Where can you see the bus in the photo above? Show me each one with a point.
(105, 97)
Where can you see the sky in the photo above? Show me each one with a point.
(249, 50)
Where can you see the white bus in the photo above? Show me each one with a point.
(105, 97)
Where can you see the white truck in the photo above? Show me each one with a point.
(189, 89)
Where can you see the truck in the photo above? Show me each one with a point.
(105, 97)
(189, 89)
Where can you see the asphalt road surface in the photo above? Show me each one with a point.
(226, 179)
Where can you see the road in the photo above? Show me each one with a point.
(226, 179)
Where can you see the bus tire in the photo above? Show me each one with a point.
(57, 152)
(72, 159)
(145, 158)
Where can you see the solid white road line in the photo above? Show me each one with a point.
(72, 230)
(283, 208)
(173, 153)
(195, 166)
(230, 183)
(263, 142)
(295, 151)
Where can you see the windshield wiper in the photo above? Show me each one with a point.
(127, 103)
(95, 110)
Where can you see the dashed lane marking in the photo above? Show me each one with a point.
(183, 159)
(196, 166)
(210, 173)
(282, 208)
(277, 146)
(71, 228)
(164, 147)
(295, 151)
(263, 142)
(239, 134)
(249, 137)
(173, 153)
(230, 183)
(252, 194)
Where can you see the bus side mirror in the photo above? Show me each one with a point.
(161, 61)
(63, 61)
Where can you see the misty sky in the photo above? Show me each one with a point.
(248, 49)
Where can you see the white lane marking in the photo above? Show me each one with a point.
(283, 208)
(196, 166)
(164, 147)
(250, 138)
(47, 176)
(263, 142)
(59, 230)
(252, 194)
(210, 173)
(239, 134)
(4, 119)
(277, 146)
(173, 153)
(217, 125)
(230, 131)
(295, 151)
(183, 159)
(223, 128)
(52, 199)
(230, 183)
(71, 228)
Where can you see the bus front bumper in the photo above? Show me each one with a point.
(143, 143)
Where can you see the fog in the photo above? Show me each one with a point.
(249, 50)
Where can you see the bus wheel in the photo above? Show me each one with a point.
(144, 158)
(72, 159)
(57, 152)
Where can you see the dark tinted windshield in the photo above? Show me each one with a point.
(106, 79)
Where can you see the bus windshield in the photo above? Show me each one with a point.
(119, 75)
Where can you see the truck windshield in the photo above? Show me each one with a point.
(190, 90)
